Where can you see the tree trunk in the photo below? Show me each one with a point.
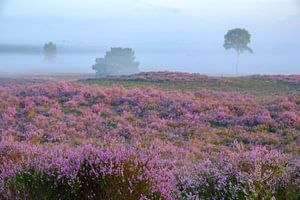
(237, 63)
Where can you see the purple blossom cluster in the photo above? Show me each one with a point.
(118, 172)
(79, 141)
(255, 174)
(166, 76)
(66, 111)
(87, 172)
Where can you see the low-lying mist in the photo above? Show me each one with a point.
(175, 36)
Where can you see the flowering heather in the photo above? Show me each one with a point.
(165, 76)
(68, 112)
(70, 140)
(255, 174)
(82, 173)
(289, 79)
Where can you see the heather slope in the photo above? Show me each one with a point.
(156, 135)
(258, 84)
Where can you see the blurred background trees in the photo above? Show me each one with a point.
(50, 51)
(117, 61)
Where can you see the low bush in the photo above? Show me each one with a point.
(255, 174)
(85, 173)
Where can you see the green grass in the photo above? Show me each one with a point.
(251, 85)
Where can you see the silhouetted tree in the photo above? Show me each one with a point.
(117, 61)
(50, 50)
(238, 39)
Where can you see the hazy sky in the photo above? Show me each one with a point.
(179, 32)
(272, 9)
(94, 21)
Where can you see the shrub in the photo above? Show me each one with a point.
(85, 173)
(255, 174)
(117, 61)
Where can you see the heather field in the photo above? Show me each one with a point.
(154, 135)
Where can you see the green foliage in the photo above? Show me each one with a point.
(39, 185)
(117, 61)
(258, 87)
(36, 185)
(72, 111)
(238, 39)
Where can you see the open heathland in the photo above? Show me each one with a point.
(154, 135)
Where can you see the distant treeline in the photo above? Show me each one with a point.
(39, 49)
(22, 49)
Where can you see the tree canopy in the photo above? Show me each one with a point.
(238, 39)
(117, 61)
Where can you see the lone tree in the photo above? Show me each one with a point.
(117, 61)
(238, 39)
(50, 50)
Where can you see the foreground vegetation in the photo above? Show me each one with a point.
(151, 136)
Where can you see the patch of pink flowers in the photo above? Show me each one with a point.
(60, 112)
(136, 173)
(165, 76)
(258, 173)
(170, 140)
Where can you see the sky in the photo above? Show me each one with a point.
(75, 20)
(127, 8)
(153, 25)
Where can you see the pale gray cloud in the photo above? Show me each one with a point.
(194, 8)
(84, 9)
(167, 20)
